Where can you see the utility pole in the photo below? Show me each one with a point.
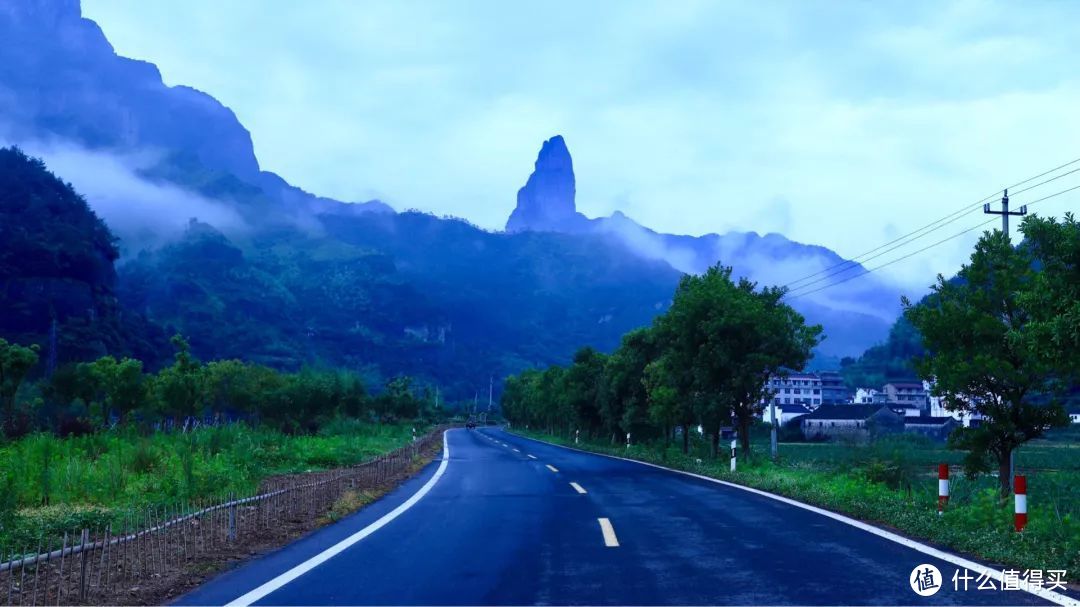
(491, 388)
(772, 418)
(1005, 212)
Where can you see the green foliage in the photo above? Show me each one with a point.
(56, 270)
(93, 479)
(15, 362)
(703, 361)
(985, 354)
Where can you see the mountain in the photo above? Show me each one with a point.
(61, 80)
(854, 314)
(248, 265)
(57, 274)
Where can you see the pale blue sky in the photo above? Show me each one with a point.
(836, 123)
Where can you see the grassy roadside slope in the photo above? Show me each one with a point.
(49, 483)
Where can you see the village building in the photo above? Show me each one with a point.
(850, 421)
(865, 396)
(833, 390)
(905, 393)
(795, 389)
(937, 428)
(784, 413)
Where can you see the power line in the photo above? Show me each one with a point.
(853, 265)
(913, 253)
(944, 221)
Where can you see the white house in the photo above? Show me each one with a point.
(784, 413)
(796, 388)
(937, 409)
(865, 396)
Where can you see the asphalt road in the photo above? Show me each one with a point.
(501, 522)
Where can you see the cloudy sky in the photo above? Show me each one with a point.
(837, 123)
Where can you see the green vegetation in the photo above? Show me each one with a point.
(54, 484)
(81, 398)
(893, 482)
(705, 361)
(998, 340)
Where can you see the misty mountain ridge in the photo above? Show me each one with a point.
(855, 313)
(272, 273)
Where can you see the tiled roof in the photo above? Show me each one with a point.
(929, 420)
(844, 411)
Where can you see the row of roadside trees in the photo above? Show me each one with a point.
(1001, 339)
(82, 397)
(705, 361)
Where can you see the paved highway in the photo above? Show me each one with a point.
(506, 520)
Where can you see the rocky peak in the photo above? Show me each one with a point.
(546, 203)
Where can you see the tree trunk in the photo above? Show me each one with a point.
(685, 439)
(744, 437)
(1005, 473)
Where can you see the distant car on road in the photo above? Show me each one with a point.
(470, 424)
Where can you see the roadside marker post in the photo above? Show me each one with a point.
(1020, 488)
(577, 435)
(733, 455)
(943, 487)
(627, 440)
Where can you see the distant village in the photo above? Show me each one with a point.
(822, 407)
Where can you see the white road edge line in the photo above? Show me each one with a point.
(552, 468)
(609, 533)
(578, 488)
(1050, 595)
(518, 450)
(299, 570)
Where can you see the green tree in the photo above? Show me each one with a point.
(668, 391)
(768, 336)
(121, 381)
(985, 353)
(722, 342)
(624, 404)
(179, 387)
(1054, 297)
(15, 362)
(581, 385)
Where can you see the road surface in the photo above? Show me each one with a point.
(506, 520)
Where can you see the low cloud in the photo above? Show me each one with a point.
(141, 212)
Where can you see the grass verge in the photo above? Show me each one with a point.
(886, 484)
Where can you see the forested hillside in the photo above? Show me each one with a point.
(57, 278)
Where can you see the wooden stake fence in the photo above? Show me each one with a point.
(102, 566)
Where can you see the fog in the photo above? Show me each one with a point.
(140, 212)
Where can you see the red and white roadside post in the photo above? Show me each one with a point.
(577, 436)
(942, 487)
(627, 440)
(1020, 488)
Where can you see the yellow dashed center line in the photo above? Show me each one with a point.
(552, 468)
(578, 488)
(609, 533)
